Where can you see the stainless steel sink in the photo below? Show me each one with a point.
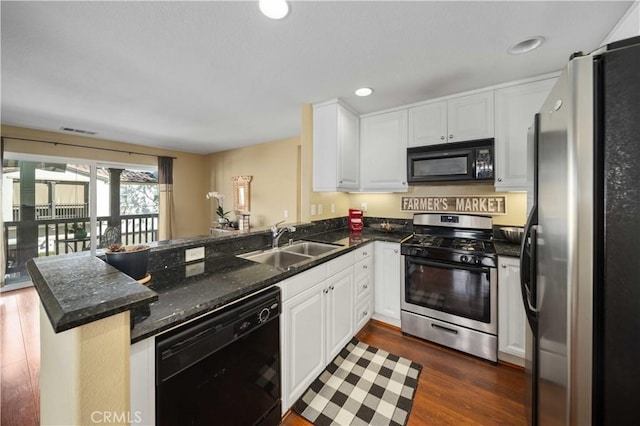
(292, 255)
(310, 248)
(278, 258)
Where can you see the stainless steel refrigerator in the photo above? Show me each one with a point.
(580, 259)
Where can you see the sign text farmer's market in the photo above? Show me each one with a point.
(458, 204)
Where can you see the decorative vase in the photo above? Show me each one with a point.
(132, 263)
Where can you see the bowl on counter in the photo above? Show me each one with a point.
(386, 227)
(513, 234)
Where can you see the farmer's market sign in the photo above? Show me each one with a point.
(458, 204)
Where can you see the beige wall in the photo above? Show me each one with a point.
(189, 170)
(275, 187)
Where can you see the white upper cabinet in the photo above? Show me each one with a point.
(336, 154)
(515, 109)
(470, 117)
(428, 124)
(383, 152)
(454, 120)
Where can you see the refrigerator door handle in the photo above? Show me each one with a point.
(528, 270)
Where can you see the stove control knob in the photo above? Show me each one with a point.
(476, 260)
(464, 258)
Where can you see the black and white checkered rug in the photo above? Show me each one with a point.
(363, 385)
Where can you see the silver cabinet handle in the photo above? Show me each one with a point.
(450, 136)
(364, 253)
(499, 179)
(325, 291)
(365, 286)
(404, 183)
(395, 250)
(331, 288)
(441, 138)
(365, 313)
(364, 266)
(504, 266)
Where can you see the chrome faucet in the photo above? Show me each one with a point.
(276, 233)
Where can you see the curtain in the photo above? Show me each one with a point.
(3, 247)
(166, 225)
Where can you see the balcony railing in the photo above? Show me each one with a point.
(55, 236)
(55, 211)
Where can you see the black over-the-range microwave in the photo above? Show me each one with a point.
(455, 162)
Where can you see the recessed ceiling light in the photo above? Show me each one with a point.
(274, 9)
(364, 91)
(526, 46)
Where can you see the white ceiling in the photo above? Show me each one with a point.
(209, 76)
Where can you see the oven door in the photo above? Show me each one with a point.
(464, 295)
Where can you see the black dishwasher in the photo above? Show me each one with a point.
(223, 368)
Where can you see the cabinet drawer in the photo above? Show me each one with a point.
(363, 277)
(363, 252)
(363, 313)
(339, 264)
(303, 281)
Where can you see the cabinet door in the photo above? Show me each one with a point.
(387, 281)
(336, 156)
(303, 330)
(339, 291)
(515, 108)
(511, 316)
(384, 152)
(470, 117)
(348, 149)
(428, 124)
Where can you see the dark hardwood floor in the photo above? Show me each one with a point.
(19, 358)
(454, 388)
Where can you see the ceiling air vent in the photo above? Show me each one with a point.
(71, 129)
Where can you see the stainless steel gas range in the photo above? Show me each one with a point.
(449, 291)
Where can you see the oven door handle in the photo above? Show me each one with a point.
(470, 268)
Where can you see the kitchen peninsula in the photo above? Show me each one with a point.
(92, 313)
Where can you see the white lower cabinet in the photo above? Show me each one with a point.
(303, 332)
(142, 373)
(315, 324)
(511, 315)
(388, 266)
(339, 293)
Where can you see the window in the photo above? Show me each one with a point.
(49, 207)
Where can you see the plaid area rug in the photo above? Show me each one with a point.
(363, 385)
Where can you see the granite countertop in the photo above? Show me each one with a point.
(79, 288)
(225, 278)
